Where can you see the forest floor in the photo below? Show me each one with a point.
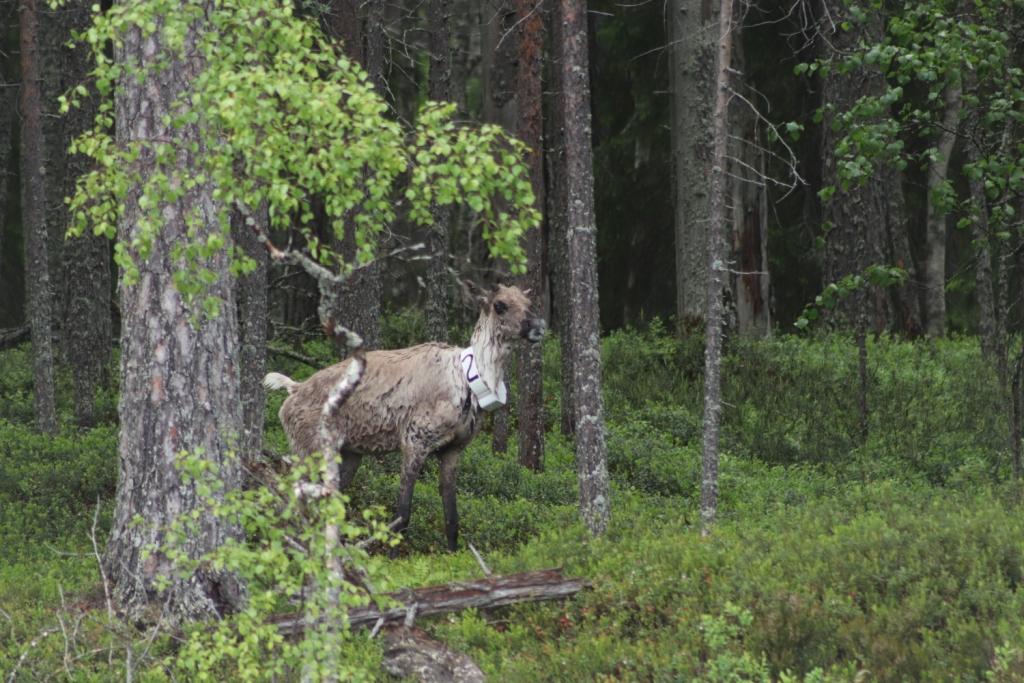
(899, 556)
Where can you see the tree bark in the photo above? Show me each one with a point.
(179, 381)
(530, 129)
(938, 171)
(862, 217)
(358, 299)
(8, 106)
(716, 269)
(984, 294)
(556, 201)
(584, 321)
(499, 106)
(33, 206)
(251, 295)
(749, 280)
(692, 25)
(439, 90)
(86, 259)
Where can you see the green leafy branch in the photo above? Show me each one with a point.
(276, 117)
(835, 292)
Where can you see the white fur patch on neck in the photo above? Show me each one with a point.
(489, 399)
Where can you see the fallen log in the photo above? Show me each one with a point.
(13, 336)
(495, 591)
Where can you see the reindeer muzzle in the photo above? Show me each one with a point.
(533, 329)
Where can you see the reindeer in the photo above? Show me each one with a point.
(423, 400)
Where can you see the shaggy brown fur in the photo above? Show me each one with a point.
(416, 400)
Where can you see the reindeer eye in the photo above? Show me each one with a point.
(500, 307)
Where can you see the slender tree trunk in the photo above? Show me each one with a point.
(8, 107)
(556, 200)
(358, 299)
(530, 129)
(692, 29)
(584, 321)
(251, 295)
(935, 262)
(439, 89)
(86, 259)
(716, 268)
(499, 106)
(33, 197)
(179, 381)
(906, 302)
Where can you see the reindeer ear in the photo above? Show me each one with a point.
(526, 292)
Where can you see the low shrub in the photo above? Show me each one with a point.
(905, 583)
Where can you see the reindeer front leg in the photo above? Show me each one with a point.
(449, 462)
(414, 455)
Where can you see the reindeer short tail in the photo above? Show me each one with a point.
(276, 380)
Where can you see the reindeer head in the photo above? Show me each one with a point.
(508, 313)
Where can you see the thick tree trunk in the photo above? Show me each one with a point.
(556, 201)
(439, 89)
(86, 259)
(584, 321)
(39, 297)
(251, 295)
(530, 129)
(935, 261)
(862, 216)
(716, 270)
(179, 381)
(692, 25)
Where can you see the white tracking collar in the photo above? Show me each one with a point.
(489, 400)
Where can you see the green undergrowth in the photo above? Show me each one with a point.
(896, 558)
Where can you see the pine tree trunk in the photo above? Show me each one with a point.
(179, 381)
(983, 262)
(39, 297)
(439, 89)
(86, 259)
(692, 29)
(499, 106)
(251, 295)
(560, 276)
(530, 129)
(584, 322)
(716, 268)
(8, 106)
(935, 261)
(858, 215)
(359, 297)
(906, 303)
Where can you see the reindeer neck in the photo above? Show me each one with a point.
(491, 352)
